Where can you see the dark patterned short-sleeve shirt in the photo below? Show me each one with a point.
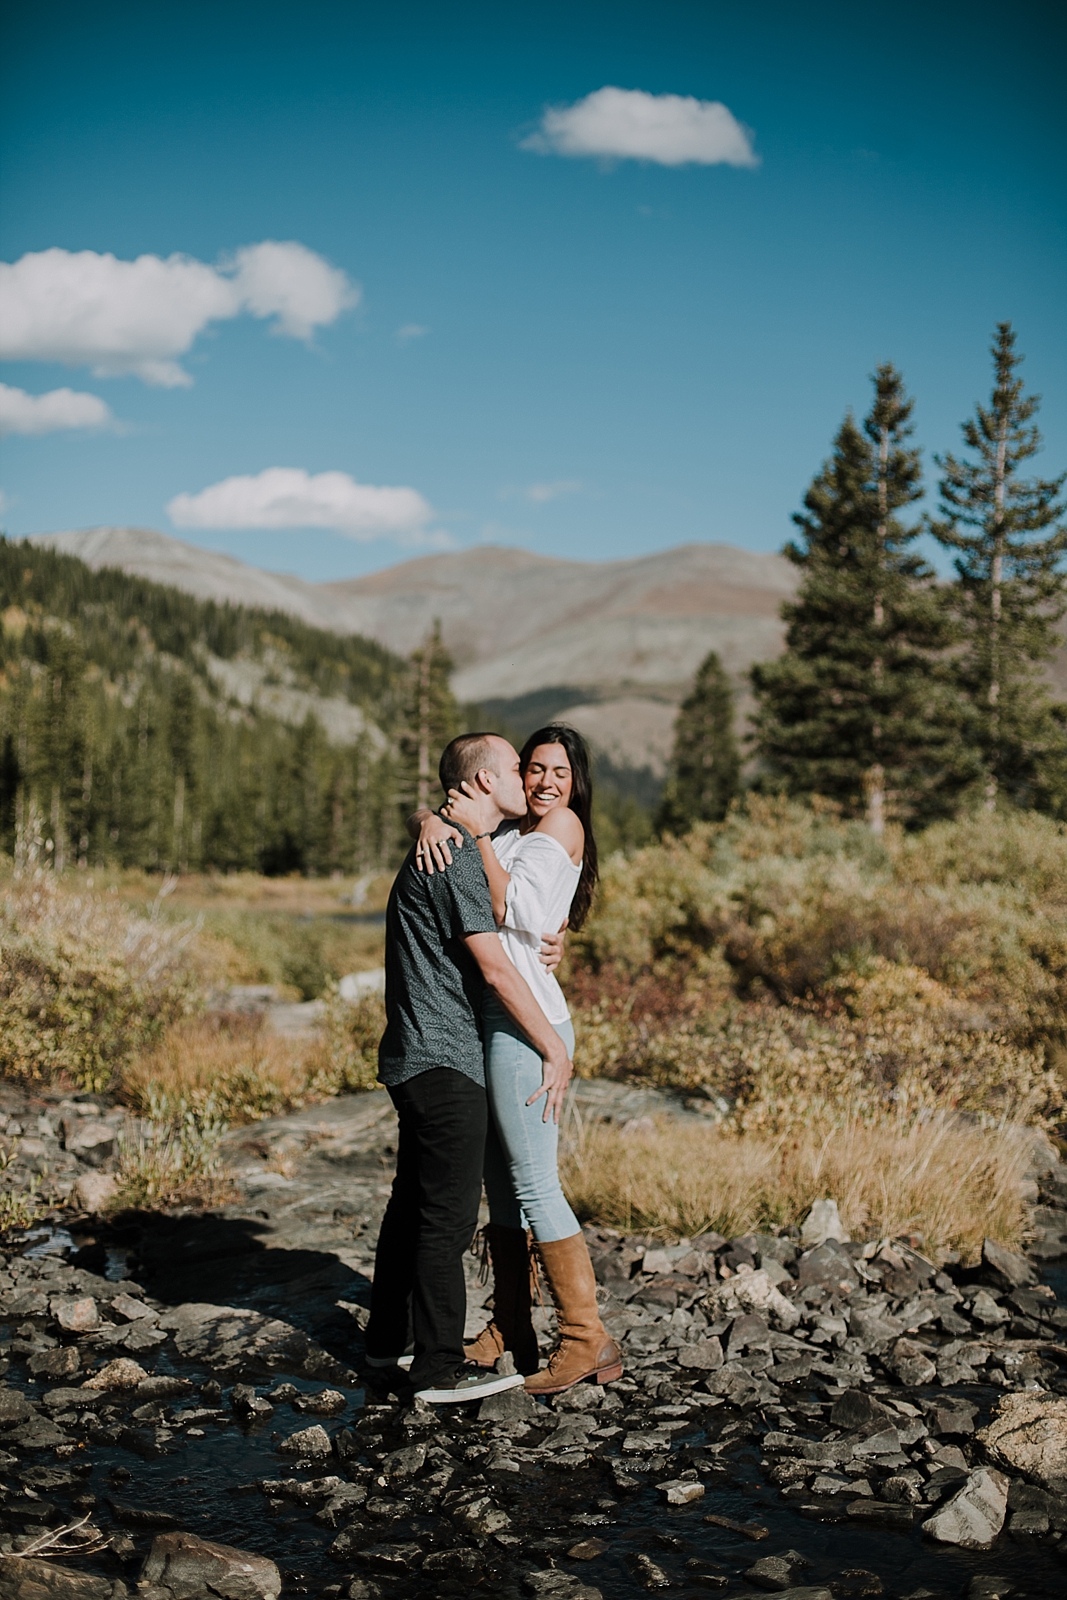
(433, 988)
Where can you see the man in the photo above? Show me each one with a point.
(441, 950)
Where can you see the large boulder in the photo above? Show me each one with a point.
(975, 1515)
(1029, 1434)
(188, 1565)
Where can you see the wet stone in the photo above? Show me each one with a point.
(187, 1565)
(306, 1442)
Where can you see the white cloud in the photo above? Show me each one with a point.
(539, 493)
(411, 330)
(289, 497)
(47, 413)
(292, 283)
(120, 317)
(628, 124)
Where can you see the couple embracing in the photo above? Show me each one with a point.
(476, 1056)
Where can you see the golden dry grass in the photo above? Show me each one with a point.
(950, 1183)
(231, 1066)
(235, 1069)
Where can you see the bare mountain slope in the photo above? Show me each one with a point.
(617, 641)
(203, 573)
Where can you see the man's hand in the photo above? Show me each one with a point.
(556, 1074)
(552, 947)
(513, 992)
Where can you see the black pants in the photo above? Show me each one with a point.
(429, 1223)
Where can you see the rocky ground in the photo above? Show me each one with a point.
(181, 1411)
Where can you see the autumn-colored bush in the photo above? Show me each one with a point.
(85, 982)
(802, 968)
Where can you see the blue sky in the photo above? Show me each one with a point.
(599, 358)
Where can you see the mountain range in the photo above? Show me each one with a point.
(610, 644)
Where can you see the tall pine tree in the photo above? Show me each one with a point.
(1011, 589)
(432, 718)
(705, 764)
(861, 707)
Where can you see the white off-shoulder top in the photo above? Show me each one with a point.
(543, 881)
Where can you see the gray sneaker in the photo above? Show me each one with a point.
(469, 1383)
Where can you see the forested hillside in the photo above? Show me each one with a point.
(141, 726)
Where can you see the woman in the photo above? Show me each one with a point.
(541, 871)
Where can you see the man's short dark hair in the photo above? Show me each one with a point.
(464, 758)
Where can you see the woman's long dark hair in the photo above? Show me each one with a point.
(581, 803)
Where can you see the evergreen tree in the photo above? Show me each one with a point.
(1010, 589)
(432, 719)
(117, 744)
(861, 707)
(705, 764)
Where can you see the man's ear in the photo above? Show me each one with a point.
(483, 780)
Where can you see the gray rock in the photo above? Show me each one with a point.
(392, 1557)
(822, 1222)
(1028, 1433)
(481, 1517)
(91, 1142)
(1009, 1270)
(405, 1463)
(21, 1579)
(776, 1573)
(827, 1264)
(984, 1309)
(704, 1355)
(307, 1442)
(854, 1410)
(223, 1337)
(14, 1408)
(989, 1586)
(57, 1364)
(162, 1388)
(510, 1405)
(187, 1565)
(911, 1363)
(749, 1332)
(875, 1330)
(649, 1574)
(974, 1516)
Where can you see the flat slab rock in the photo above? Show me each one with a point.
(26, 1579)
(187, 1566)
(973, 1517)
(225, 1337)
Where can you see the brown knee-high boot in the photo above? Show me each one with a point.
(511, 1327)
(585, 1348)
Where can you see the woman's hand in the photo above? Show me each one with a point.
(465, 807)
(432, 847)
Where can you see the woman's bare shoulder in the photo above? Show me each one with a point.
(564, 826)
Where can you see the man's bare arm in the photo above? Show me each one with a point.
(515, 995)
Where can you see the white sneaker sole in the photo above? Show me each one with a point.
(458, 1397)
(388, 1361)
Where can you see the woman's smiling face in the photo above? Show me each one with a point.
(548, 779)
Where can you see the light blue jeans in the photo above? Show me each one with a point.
(521, 1172)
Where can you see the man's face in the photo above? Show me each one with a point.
(508, 791)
